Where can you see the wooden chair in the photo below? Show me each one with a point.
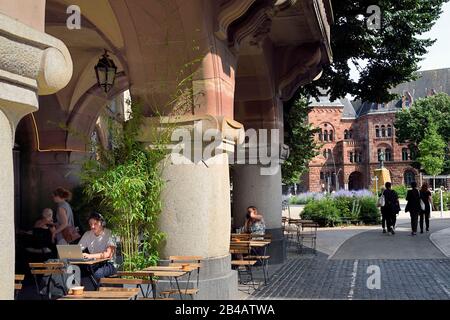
(18, 284)
(261, 257)
(113, 282)
(194, 263)
(307, 232)
(50, 270)
(243, 249)
(240, 236)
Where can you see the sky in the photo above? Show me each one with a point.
(438, 54)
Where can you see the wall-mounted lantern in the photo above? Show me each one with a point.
(106, 70)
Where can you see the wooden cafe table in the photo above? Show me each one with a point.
(89, 265)
(102, 295)
(157, 272)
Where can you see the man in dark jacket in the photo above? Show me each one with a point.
(413, 206)
(391, 207)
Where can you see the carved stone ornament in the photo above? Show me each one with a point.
(31, 63)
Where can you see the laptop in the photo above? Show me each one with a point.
(71, 252)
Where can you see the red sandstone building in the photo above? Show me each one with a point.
(353, 134)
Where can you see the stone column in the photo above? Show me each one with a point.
(196, 214)
(253, 187)
(257, 175)
(31, 63)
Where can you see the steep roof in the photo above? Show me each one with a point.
(437, 80)
(429, 82)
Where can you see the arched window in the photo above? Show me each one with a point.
(383, 131)
(388, 154)
(358, 157)
(322, 176)
(325, 135)
(320, 135)
(350, 133)
(377, 131)
(329, 153)
(409, 177)
(352, 159)
(345, 134)
(325, 154)
(389, 131)
(378, 153)
(405, 154)
(331, 135)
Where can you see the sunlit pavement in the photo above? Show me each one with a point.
(409, 267)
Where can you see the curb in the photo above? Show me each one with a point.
(434, 238)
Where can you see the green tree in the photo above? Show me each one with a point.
(412, 123)
(432, 151)
(385, 57)
(299, 136)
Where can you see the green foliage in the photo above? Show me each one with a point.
(401, 191)
(432, 151)
(126, 183)
(323, 211)
(299, 137)
(345, 206)
(411, 124)
(390, 55)
(339, 210)
(369, 213)
(445, 200)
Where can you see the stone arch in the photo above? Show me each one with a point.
(355, 181)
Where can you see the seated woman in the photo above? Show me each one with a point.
(44, 232)
(255, 222)
(46, 220)
(100, 244)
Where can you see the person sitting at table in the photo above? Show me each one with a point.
(254, 223)
(100, 245)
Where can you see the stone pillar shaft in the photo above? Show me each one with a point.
(31, 62)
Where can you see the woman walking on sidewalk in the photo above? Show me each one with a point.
(425, 196)
(391, 207)
(413, 206)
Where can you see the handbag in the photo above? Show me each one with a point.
(381, 201)
(422, 204)
(70, 234)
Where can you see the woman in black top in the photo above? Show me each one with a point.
(413, 206)
(425, 195)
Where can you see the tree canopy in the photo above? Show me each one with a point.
(299, 135)
(389, 55)
(432, 151)
(411, 124)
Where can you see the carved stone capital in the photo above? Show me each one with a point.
(195, 128)
(230, 12)
(31, 63)
(297, 66)
(254, 27)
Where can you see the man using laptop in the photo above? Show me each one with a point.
(99, 243)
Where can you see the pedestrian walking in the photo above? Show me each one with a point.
(425, 196)
(413, 206)
(391, 208)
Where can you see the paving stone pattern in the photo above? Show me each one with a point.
(316, 277)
